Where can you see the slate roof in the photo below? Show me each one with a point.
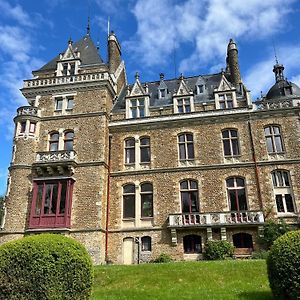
(280, 89)
(88, 54)
(210, 81)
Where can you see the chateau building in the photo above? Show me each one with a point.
(136, 170)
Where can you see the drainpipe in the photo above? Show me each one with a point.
(255, 166)
(107, 199)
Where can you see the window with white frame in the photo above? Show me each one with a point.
(58, 103)
(236, 192)
(189, 196)
(184, 105)
(145, 150)
(130, 151)
(283, 191)
(186, 146)
(129, 201)
(62, 141)
(136, 108)
(64, 103)
(146, 195)
(273, 139)
(225, 101)
(230, 141)
(137, 151)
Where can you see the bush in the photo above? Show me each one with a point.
(216, 250)
(45, 266)
(162, 258)
(273, 230)
(284, 266)
(260, 254)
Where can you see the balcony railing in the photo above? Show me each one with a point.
(277, 104)
(55, 156)
(28, 111)
(65, 80)
(216, 218)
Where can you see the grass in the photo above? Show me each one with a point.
(231, 279)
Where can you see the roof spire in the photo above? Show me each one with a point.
(88, 28)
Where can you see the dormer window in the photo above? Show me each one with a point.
(65, 69)
(225, 100)
(162, 93)
(137, 108)
(200, 89)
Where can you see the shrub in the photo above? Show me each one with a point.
(45, 266)
(260, 254)
(273, 230)
(215, 250)
(162, 258)
(284, 266)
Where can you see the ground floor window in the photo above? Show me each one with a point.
(242, 240)
(192, 244)
(51, 203)
(146, 243)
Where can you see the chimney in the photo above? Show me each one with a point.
(233, 62)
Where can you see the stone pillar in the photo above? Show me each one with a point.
(223, 234)
(209, 233)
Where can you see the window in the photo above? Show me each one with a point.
(189, 196)
(70, 102)
(53, 142)
(68, 140)
(273, 139)
(58, 103)
(51, 203)
(23, 127)
(65, 69)
(183, 105)
(137, 108)
(236, 193)
(192, 244)
(130, 151)
(186, 146)
(283, 191)
(200, 89)
(162, 93)
(230, 142)
(225, 101)
(146, 243)
(145, 150)
(146, 200)
(72, 69)
(129, 201)
(32, 127)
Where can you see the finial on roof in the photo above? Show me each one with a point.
(231, 45)
(181, 76)
(88, 28)
(70, 42)
(137, 76)
(162, 76)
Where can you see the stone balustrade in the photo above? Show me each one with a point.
(277, 104)
(32, 83)
(216, 218)
(28, 111)
(55, 156)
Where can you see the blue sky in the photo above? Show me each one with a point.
(153, 34)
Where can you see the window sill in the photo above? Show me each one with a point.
(286, 214)
(146, 218)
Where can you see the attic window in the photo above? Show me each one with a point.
(162, 93)
(225, 101)
(65, 69)
(200, 89)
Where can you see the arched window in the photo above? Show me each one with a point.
(145, 149)
(189, 196)
(146, 243)
(68, 140)
(236, 193)
(230, 142)
(129, 201)
(146, 200)
(283, 191)
(53, 141)
(130, 151)
(192, 244)
(273, 139)
(186, 146)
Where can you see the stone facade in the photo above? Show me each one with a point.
(133, 171)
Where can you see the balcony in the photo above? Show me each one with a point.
(60, 80)
(28, 111)
(55, 162)
(216, 218)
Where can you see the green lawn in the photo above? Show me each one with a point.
(231, 279)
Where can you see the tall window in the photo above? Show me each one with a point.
(283, 191)
(146, 243)
(230, 142)
(137, 108)
(58, 103)
(225, 101)
(53, 142)
(32, 126)
(189, 196)
(192, 244)
(273, 139)
(145, 149)
(200, 89)
(51, 203)
(129, 201)
(130, 151)
(23, 127)
(70, 102)
(236, 193)
(186, 146)
(68, 140)
(146, 200)
(183, 105)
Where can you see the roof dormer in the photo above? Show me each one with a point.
(162, 88)
(183, 100)
(225, 94)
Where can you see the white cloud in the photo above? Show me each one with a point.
(206, 24)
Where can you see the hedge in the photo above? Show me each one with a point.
(45, 266)
(218, 250)
(284, 266)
